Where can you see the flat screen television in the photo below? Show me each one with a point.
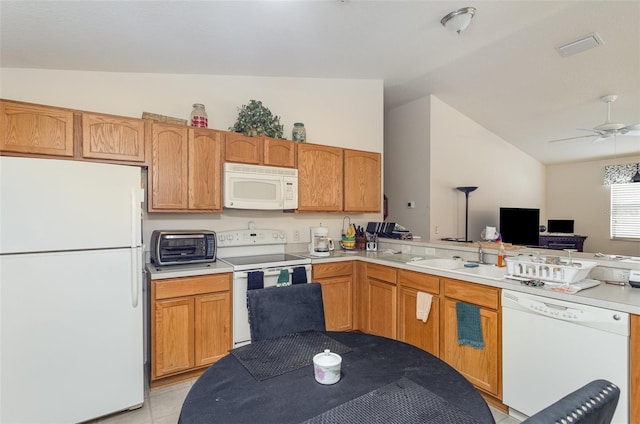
(520, 226)
(560, 226)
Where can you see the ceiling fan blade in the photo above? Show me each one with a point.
(571, 138)
(633, 130)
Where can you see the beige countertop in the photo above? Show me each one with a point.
(619, 298)
(177, 271)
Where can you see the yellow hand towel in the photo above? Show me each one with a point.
(423, 306)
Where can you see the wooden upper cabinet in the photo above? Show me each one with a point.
(278, 152)
(362, 181)
(169, 167)
(36, 129)
(205, 170)
(186, 169)
(320, 178)
(260, 150)
(112, 137)
(242, 148)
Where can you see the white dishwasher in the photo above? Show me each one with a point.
(552, 347)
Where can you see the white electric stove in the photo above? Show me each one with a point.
(256, 250)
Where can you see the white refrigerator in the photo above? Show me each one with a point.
(71, 340)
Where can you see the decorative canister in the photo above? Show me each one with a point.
(299, 132)
(199, 116)
(326, 367)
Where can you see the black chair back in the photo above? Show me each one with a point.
(594, 403)
(278, 311)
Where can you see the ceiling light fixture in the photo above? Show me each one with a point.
(458, 20)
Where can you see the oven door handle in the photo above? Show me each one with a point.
(269, 272)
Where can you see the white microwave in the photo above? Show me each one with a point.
(260, 187)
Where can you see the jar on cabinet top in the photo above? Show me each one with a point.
(299, 132)
(199, 116)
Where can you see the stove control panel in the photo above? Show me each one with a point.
(251, 237)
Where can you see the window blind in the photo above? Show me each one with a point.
(625, 211)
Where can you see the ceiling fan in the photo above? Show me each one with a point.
(607, 129)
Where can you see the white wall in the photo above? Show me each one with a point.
(406, 157)
(575, 191)
(336, 112)
(436, 149)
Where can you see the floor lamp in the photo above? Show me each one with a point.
(466, 191)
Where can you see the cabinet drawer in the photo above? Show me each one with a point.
(380, 272)
(188, 286)
(334, 269)
(419, 281)
(488, 297)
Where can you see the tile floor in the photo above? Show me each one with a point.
(162, 406)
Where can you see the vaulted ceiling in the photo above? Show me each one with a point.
(503, 71)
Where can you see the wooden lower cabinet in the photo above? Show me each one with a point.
(174, 335)
(381, 316)
(190, 325)
(336, 279)
(425, 335)
(483, 367)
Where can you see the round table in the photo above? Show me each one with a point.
(228, 393)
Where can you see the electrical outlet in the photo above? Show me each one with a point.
(296, 235)
(437, 231)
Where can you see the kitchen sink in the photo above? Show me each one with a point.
(439, 263)
(458, 266)
(486, 271)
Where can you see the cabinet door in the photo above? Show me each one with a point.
(320, 178)
(480, 366)
(212, 327)
(36, 129)
(381, 318)
(205, 170)
(173, 336)
(169, 167)
(244, 149)
(425, 335)
(279, 152)
(338, 303)
(112, 137)
(362, 181)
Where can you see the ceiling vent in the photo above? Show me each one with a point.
(585, 43)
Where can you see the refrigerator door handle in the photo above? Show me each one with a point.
(133, 218)
(135, 276)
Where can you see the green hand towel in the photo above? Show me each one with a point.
(283, 278)
(469, 328)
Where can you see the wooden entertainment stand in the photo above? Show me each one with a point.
(562, 241)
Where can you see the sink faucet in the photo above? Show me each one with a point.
(480, 254)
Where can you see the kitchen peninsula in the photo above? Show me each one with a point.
(386, 282)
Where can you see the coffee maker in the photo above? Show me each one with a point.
(321, 245)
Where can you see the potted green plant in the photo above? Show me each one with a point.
(255, 119)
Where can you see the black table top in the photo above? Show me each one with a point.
(228, 393)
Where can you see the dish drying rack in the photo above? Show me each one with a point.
(565, 273)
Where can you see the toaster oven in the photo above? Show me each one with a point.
(182, 247)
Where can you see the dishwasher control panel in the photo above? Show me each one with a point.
(559, 311)
(586, 315)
